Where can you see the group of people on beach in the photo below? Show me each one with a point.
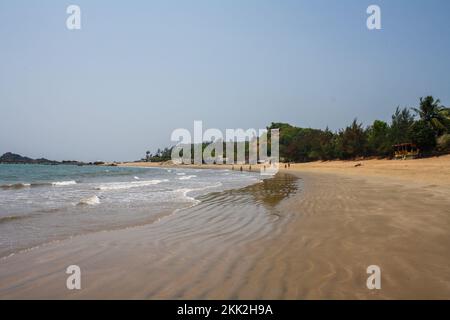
(286, 166)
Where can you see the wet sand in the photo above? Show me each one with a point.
(426, 171)
(309, 237)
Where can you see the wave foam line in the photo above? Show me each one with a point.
(128, 185)
(64, 183)
(187, 177)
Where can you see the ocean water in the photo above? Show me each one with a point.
(41, 204)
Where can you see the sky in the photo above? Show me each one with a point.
(137, 70)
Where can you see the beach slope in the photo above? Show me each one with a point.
(308, 237)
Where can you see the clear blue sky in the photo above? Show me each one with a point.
(139, 69)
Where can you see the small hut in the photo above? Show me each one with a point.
(405, 151)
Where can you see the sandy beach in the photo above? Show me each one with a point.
(424, 171)
(309, 233)
(342, 107)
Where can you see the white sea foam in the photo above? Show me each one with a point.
(64, 183)
(136, 178)
(181, 173)
(128, 185)
(90, 201)
(187, 177)
(185, 191)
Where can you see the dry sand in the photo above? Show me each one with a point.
(307, 238)
(425, 171)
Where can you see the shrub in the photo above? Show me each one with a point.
(443, 143)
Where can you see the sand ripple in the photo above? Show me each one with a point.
(280, 239)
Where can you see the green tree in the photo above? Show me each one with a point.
(353, 141)
(443, 143)
(423, 135)
(287, 135)
(327, 145)
(378, 140)
(402, 121)
(434, 114)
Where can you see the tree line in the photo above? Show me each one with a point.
(427, 127)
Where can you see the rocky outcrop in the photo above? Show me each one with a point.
(18, 159)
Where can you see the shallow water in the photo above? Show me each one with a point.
(41, 203)
(205, 251)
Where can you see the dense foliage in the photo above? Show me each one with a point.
(427, 126)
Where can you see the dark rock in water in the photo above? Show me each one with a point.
(44, 161)
(73, 163)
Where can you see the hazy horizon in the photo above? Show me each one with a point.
(138, 70)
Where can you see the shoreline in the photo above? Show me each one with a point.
(253, 198)
(316, 244)
(422, 171)
(154, 217)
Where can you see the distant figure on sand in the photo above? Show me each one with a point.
(240, 169)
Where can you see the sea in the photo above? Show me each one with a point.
(41, 204)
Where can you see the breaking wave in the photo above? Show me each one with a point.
(89, 201)
(37, 184)
(128, 185)
(15, 186)
(64, 183)
(187, 177)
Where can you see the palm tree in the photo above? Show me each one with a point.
(434, 114)
(147, 155)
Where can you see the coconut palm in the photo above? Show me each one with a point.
(434, 114)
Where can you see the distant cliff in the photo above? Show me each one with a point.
(18, 159)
